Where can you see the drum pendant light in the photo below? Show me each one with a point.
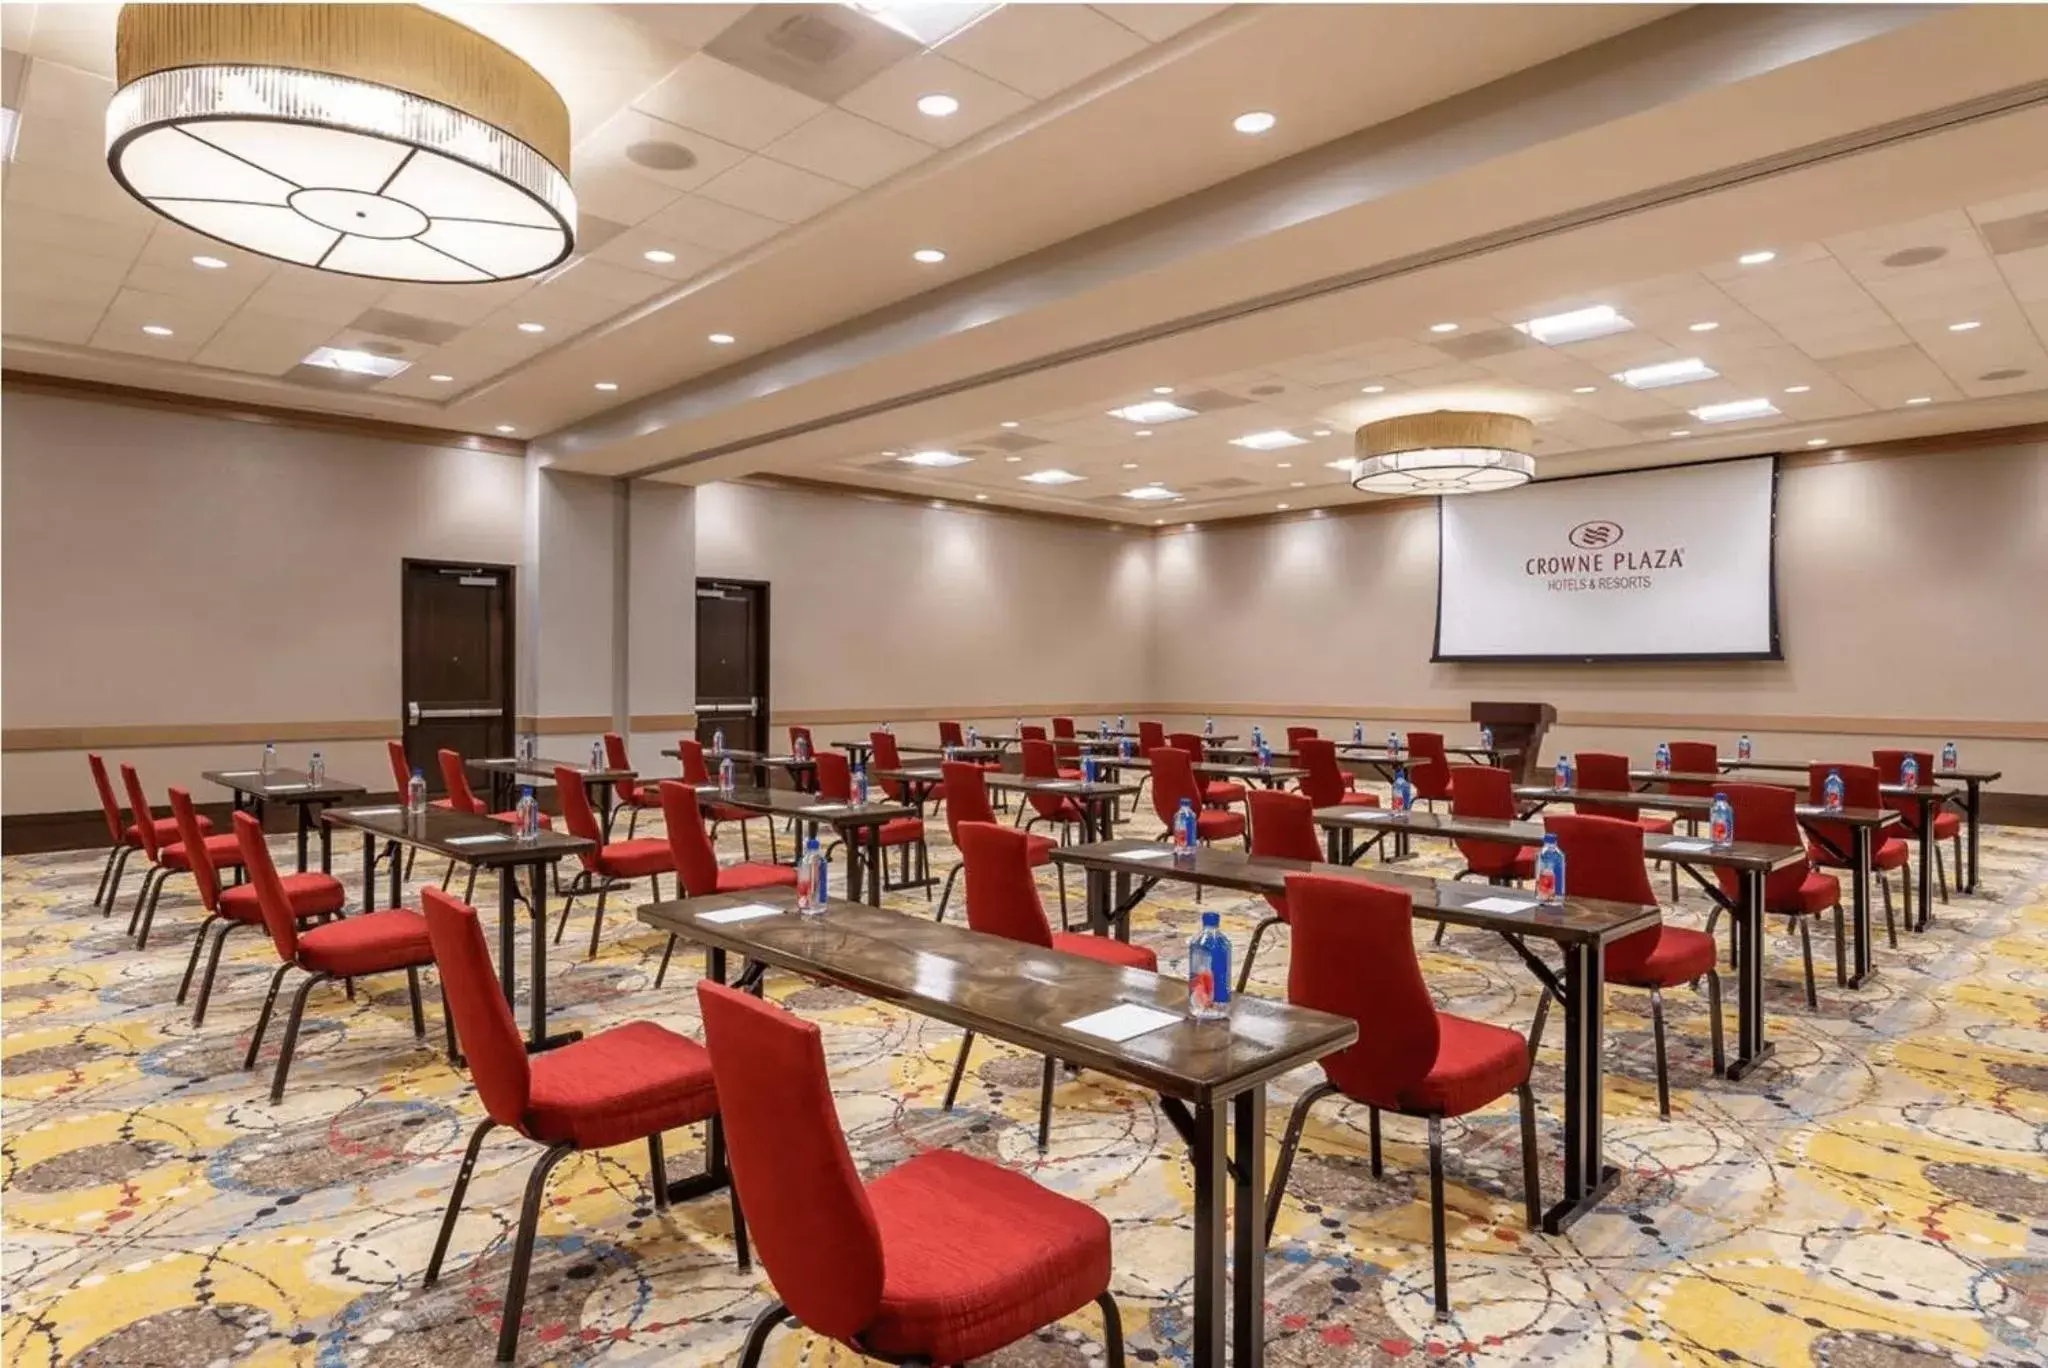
(370, 140)
(1444, 452)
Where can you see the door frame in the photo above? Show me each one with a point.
(406, 564)
(761, 656)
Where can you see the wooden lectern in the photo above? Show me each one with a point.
(1517, 727)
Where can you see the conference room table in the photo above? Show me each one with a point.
(1751, 861)
(1269, 776)
(796, 766)
(504, 771)
(859, 827)
(1972, 780)
(1581, 928)
(1210, 1076)
(1863, 825)
(483, 841)
(1384, 762)
(252, 790)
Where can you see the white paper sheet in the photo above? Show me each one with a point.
(1683, 847)
(744, 912)
(1154, 853)
(822, 809)
(239, 774)
(285, 788)
(477, 840)
(1504, 906)
(374, 812)
(1124, 1021)
(1060, 785)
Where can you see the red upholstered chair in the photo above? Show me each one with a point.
(1861, 788)
(888, 757)
(1429, 766)
(1606, 772)
(801, 734)
(347, 948)
(1354, 955)
(1038, 762)
(1694, 757)
(1002, 900)
(1767, 813)
(968, 785)
(1151, 736)
(1173, 778)
(1326, 783)
(1483, 791)
(805, 780)
(123, 837)
(401, 779)
(612, 864)
(628, 1083)
(164, 859)
(698, 873)
(1948, 823)
(1031, 731)
(1603, 858)
(312, 896)
(1215, 792)
(697, 773)
(1284, 827)
(455, 778)
(629, 792)
(1296, 735)
(943, 1259)
(950, 734)
(835, 785)
(1063, 741)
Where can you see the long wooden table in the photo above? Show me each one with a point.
(253, 790)
(860, 828)
(1581, 928)
(505, 770)
(1972, 780)
(1030, 997)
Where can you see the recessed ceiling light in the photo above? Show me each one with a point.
(1374, 389)
(719, 339)
(1257, 121)
(156, 330)
(1130, 465)
(658, 256)
(1443, 327)
(1051, 477)
(1013, 459)
(1284, 465)
(1968, 325)
(1280, 506)
(1681, 432)
(1347, 464)
(1816, 441)
(1756, 258)
(937, 106)
(1707, 326)
(929, 256)
(981, 498)
(607, 385)
(1579, 325)
(1150, 492)
(1667, 373)
(1921, 399)
(533, 327)
(1322, 432)
(1297, 484)
(355, 362)
(1142, 432)
(1797, 389)
(1735, 410)
(892, 453)
(1157, 521)
(1273, 439)
(209, 263)
(507, 427)
(1584, 389)
(1152, 411)
(1162, 389)
(441, 379)
(935, 459)
(1008, 423)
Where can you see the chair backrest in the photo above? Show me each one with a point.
(696, 862)
(1296, 735)
(1039, 762)
(1151, 736)
(616, 757)
(108, 807)
(805, 1207)
(1173, 778)
(1889, 764)
(401, 768)
(1765, 813)
(483, 1019)
(138, 807)
(1859, 790)
(887, 756)
(194, 841)
(1603, 857)
(1188, 744)
(951, 735)
(1283, 825)
(455, 778)
(1031, 731)
(270, 894)
(1603, 772)
(1353, 954)
(1694, 757)
(691, 752)
(1429, 765)
(803, 734)
(1002, 897)
(1063, 728)
(966, 796)
(1484, 791)
(576, 811)
(835, 776)
(1324, 781)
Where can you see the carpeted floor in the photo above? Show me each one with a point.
(1877, 1198)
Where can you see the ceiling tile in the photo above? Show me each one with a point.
(731, 105)
(630, 247)
(620, 193)
(51, 320)
(821, 51)
(891, 99)
(1158, 22)
(66, 95)
(602, 280)
(663, 152)
(683, 26)
(761, 185)
(459, 304)
(848, 149)
(80, 36)
(320, 296)
(1043, 49)
(192, 322)
(262, 344)
(703, 222)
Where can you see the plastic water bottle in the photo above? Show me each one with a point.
(1562, 776)
(1265, 754)
(803, 748)
(718, 741)
(1019, 732)
(725, 775)
(812, 877)
(946, 754)
(1087, 766)
(1949, 755)
(1209, 971)
(1102, 726)
(416, 795)
(1832, 791)
(889, 727)
(526, 817)
(860, 785)
(1404, 792)
(1721, 821)
(269, 756)
(1909, 772)
(1663, 757)
(1743, 749)
(1258, 735)
(316, 770)
(1550, 872)
(1123, 747)
(1393, 745)
(1123, 722)
(597, 755)
(1358, 733)
(1485, 737)
(1208, 726)
(973, 738)
(1186, 831)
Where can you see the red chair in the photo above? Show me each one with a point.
(613, 864)
(1173, 778)
(805, 780)
(629, 792)
(346, 948)
(1296, 735)
(835, 785)
(1030, 731)
(951, 735)
(1691, 757)
(1605, 772)
(1603, 858)
(312, 897)
(1429, 766)
(623, 1084)
(401, 778)
(695, 773)
(800, 740)
(1002, 900)
(164, 860)
(698, 873)
(968, 785)
(124, 837)
(888, 757)
(1354, 955)
(1215, 792)
(1326, 783)
(1483, 791)
(1948, 824)
(1284, 827)
(1861, 788)
(455, 778)
(1151, 736)
(1038, 762)
(943, 1259)
(1767, 813)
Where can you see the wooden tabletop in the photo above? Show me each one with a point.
(1212, 768)
(1016, 992)
(545, 769)
(1073, 788)
(675, 753)
(283, 785)
(806, 806)
(1677, 802)
(959, 752)
(1743, 855)
(459, 835)
(1926, 791)
(1962, 774)
(1448, 900)
(1380, 754)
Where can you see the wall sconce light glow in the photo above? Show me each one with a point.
(937, 106)
(1254, 122)
(356, 362)
(928, 256)
(935, 460)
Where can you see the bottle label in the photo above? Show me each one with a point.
(1546, 883)
(1202, 987)
(1721, 832)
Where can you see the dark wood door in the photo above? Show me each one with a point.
(732, 662)
(457, 663)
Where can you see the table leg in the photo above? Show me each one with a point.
(1248, 1283)
(1972, 790)
(604, 805)
(1333, 844)
(854, 841)
(305, 830)
(1859, 931)
(1751, 1049)
(508, 934)
(1098, 901)
(326, 844)
(1587, 1178)
(395, 876)
(537, 1038)
(1123, 899)
(1926, 875)
(874, 839)
(1211, 1218)
(369, 872)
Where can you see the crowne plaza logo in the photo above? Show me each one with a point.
(1599, 560)
(1593, 536)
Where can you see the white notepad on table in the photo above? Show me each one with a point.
(744, 912)
(374, 812)
(477, 840)
(239, 774)
(822, 809)
(1150, 853)
(1125, 1021)
(1503, 906)
(1683, 847)
(285, 788)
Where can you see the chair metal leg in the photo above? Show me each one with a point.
(1714, 1022)
(522, 1249)
(149, 877)
(1372, 1126)
(1060, 873)
(632, 823)
(455, 1195)
(597, 922)
(1536, 1024)
(666, 951)
(1941, 871)
(220, 936)
(410, 852)
(263, 1017)
(192, 963)
(469, 888)
(746, 847)
(1891, 928)
(156, 892)
(741, 1256)
(947, 895)
(1657, 1035)
(291, 1036)
(657, 1170)
(99, 894)
(1438, 1259)
(959, 1068)
(1532, 1170)
(1290, 1141)
(1045, 1104)
(419, 1011)
(447, 873)
(772, 1315)
(1438, 938)
(1112, 1331)
(1806, 950)
(113, 893)
(1244, 973)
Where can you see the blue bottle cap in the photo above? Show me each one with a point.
(1210, 919)
(1550, 838)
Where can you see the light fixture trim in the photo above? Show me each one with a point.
(935, 459)
(1444, 452)
(1667, 373)
(1152, 411)
(1578, 325)
(1272, 439)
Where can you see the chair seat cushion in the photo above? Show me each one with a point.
(1818, 893)
(1105, 950)
(311, 895)
(1222, 793)
(370, 944)
(636, 859)
(902, 831)
(1891, 853)
(741, 877)
(1038, 849)
(977, 1257)
(722, 812)
(1072, 774)
(1358, 798)
(1660, 957)
(618, 1085)
(1476, 1062)
(166, 830)
(1219, 825)
(640, 798)
(1655, 826)
(1947, 824)
(222, 850)
(547, 823)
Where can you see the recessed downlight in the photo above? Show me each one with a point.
(1681, 432)
(1013, 460)
(1142, 432)
(209, 263)
(658, 256)
(1320, 432)
(1443, 327)
(1797, 389)
(1152, 411)
(981, 498)
(441, 379)
(1150, 493)
(928, 256)
(607, 385)
(533, 327)
(1254, 122)
(935, 459)
(1921, 399)
(937, 106)
(1009, 423)
(156, 330)
(719, 339)
(1816, 441)
(1967, 325)
(1130, 465)
(507, 427)
(1756, 258)
(1280, 506)
(1584, 389)
(1051, 477)
(1374, 389)
(1706, 325)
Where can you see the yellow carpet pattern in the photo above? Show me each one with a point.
(1877, 1197)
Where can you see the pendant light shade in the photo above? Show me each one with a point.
(370, 140)
(1444, 452)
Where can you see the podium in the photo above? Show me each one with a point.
(1517, 727)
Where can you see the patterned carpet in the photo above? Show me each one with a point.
(1877, 1198)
